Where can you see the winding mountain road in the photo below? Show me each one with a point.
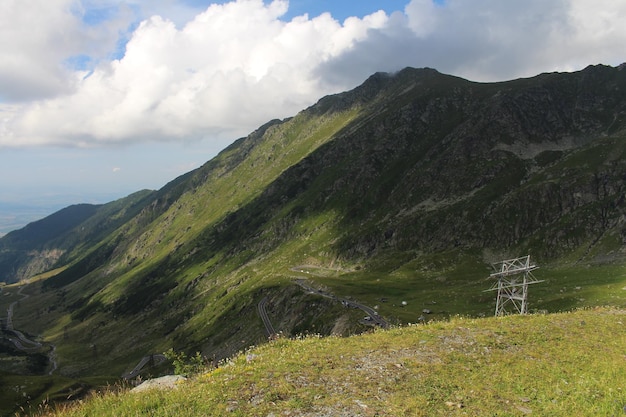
(269, 329)
(373, 314)
(23, 343)
(155, 359)
(374, 318)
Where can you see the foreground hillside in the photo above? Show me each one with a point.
(569, 364)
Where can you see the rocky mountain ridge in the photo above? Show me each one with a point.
(385, 189)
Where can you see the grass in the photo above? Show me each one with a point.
(560, 364)
(448, 284)
(26, 393)
(456, 284)
(195, 277)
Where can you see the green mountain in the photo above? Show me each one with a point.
(398, 194)
(59, 238)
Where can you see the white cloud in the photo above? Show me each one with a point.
(35, 38)
(489, 40)
(231, 68)
(235, 66)
(423, 16)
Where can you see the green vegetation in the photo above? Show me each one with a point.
(64, 236)
(398, 194)
(184, 365)
(558, 364)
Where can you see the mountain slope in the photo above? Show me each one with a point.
(404, 188)
(462, 367)
(59, 238)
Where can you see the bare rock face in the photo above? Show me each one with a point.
(167, 382)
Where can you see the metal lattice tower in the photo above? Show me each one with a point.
(513, 277)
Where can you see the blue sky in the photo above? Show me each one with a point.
(101, 98)
(342, 9)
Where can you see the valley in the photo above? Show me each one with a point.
(380, 207)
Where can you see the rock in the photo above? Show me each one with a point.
(361, 404)
(167, 382)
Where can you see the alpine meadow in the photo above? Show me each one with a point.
(358, 236)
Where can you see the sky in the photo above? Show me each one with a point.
(101, 98)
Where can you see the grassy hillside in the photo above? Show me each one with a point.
(64, 236)
(558, 365)
(398, 195)
(429, 284)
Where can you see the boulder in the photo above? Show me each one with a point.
(167, 382)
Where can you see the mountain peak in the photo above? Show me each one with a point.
(398, 193)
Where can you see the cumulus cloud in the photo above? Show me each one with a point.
(232, 67)
(29, 66)
(38, 39)
(489, 40)
(237, 65)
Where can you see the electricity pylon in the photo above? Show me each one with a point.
(513, 277)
